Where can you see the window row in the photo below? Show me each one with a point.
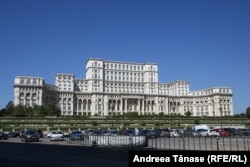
(28, 82)
(124, 79)
(124, 73)
(123, 67)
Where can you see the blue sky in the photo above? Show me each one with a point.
(205, 42)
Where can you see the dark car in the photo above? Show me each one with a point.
(111, 133)
(97, 132)
(232, 131)
(191, 133)
(130, 133)
(165, 133)
(76, 135)
(29, 135)
(244, 132)
(3, 136)
(39, 133)
(151, 134)
(13, 134)
(158, 132)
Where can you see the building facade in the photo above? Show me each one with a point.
(115, 88)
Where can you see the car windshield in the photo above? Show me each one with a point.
(202, 130)
(76, 132)
(114, 132)
(30, 132)
(56, 132)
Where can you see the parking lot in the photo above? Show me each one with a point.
(164, 143)
(41, 154)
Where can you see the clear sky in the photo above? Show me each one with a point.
(206, 42)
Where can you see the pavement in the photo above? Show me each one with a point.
(32, 154)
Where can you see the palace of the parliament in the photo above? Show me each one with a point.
(115, 88)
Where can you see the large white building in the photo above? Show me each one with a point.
(113, 88)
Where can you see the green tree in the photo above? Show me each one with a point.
(248, 112)
(131, 115)
(52, 110)
(9, 108)
(197, 121)
(39, 111)
(188, 113)
(2, 112)
(28, 111)
(19, 111)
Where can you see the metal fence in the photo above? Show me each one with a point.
(167, 143)
(201, 143)
(111, 141)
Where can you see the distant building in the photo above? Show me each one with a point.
(115, 88)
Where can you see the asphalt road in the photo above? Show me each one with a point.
(44, 155)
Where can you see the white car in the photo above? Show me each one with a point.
(208, 132)
(56, 135)
(174, 133)
(213, 133)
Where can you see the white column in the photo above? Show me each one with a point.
(126, 103)
(142, 109)
(121, 106)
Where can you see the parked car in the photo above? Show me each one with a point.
(13, 134)
(174, 133)
(128, 132)
(244, 132)
(191, 133)
(212, 133)
(151, 134)
(3, 136)
(111, 133)
(76, 135)
(208, 132)
(29, 135)
(39, 133)
(158, 132)
(203, 132)
(165, 133)
(56, 135)
(97, 132)
(222, 132)
(232, 131)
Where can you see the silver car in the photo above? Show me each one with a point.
(56, 135)
(208, 133)
(213, 133)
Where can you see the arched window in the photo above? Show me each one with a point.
(80, 104)
(34, 99)
(21, 98)
(28, 100)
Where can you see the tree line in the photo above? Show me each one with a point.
(27, 111)
(51, 110)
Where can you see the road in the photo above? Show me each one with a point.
(46, 155)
